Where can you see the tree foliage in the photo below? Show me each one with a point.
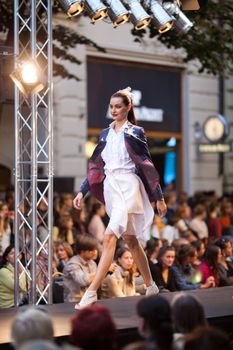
(210, 40)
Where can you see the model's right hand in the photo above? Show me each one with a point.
(77, 202)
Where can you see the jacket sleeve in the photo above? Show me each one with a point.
(85, 187)
(158, 194)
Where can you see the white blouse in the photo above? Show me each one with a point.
(115, 154)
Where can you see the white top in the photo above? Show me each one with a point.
(96, 228)
(200, 227)
(115, 154)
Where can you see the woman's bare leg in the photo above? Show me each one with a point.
(140, 258)
(109, 246)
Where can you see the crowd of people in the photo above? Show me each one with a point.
(190, 248)
(161, 326)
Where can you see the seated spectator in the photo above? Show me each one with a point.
(200, 250)
(65, 230)
(198, 224)
(156, 324)
(162, 272)
(31, 323)
(213, 221)
(170, 199)
(63, 252)
(121, 282)
(208, 338)
(170, 232)
(226, 217)
(152, 248)
(184, 305)
(5, 228)
(80, 269)
(209, 266)
(183, 212)
(186, 276)
(225, 267)
(7, 279)
(156, 227)
(92, 328)
(39, 345)
(95, 223)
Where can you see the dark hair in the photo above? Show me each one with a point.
(93, 328)
(156, 312)
(197, 244)
(199, 209)
(119, 253)
(5, 254)
(85, 242)
(184, 252)
(208, 338)
(94, 209)
(187, 313)
(211, 255)
(151, 244)
(222, 243)
(62, 224)
(127, 100)
(164, 250)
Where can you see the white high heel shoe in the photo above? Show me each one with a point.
(88, 298)
(152, 290)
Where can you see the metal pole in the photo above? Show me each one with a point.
(16, 170)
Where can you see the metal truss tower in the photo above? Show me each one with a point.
(33, 155)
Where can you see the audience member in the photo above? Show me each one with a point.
(93, 328)
(7, 279)
(95, 223)
(31, 323)
(185, 274)
(198, 224)
(209, 266)
(224, 265)
(152, 248)
(207, 338)
(213, 221)
(121, 282)
(156, 322)
(162, 272)
(5, 228)
(80, 269)
(170, 232)
(187, 314)
(63, 252)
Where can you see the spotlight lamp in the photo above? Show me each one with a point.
(28, 77)
(160, 18)
(95, 9)
(139, 17)
(72, 7)
(182, 24)
(117, 12)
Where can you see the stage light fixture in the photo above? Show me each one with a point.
(28, 77)
(160, 18)
(95, 9)
(139, 17)
(117, 12)
(182, 24)
(72, 7)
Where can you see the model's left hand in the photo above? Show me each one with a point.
(161, 207)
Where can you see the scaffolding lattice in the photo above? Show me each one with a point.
(33, 155)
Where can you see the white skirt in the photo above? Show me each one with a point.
(127, 205)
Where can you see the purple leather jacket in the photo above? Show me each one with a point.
(136, 145)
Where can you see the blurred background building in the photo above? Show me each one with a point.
(170, 99)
